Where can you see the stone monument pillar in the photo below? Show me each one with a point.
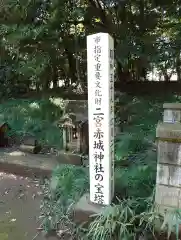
(100, 74)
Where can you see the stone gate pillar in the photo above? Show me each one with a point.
(172, 112)
(168, 183)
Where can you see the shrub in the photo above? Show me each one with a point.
(67, 185)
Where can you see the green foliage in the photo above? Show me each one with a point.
(171, 223)
(134, 213)
(137, 118)
(114, 222)
(44, 41)
(132, 218)
(128, 219)
(33, 117)
(68, 183)
(71, 180)
(134, 183)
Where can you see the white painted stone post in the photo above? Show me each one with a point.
(100, 70)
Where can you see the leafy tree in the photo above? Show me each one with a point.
(42, 42)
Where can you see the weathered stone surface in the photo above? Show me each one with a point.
(171, 116)
(168, 131)
(69, 158)
(84, 210)
(172, 112)
(179, 203)
(167, 196)
(75, 126)
(169, 153)
(168, 188)
(172, 106)
(30, 148)
(162, 174)
(175, 176)
(27, 165)
(163, 209)
(30, 141)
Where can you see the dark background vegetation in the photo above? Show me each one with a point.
(43, 42)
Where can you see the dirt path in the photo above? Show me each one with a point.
(19, 208)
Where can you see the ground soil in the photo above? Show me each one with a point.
(20, 199)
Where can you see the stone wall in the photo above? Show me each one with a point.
(168, 183)
(172, 112)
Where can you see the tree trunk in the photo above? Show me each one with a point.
(178, 70)
(54, 77)
(72, 66)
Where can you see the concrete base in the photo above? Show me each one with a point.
(163, 209)
(29, 165)
(84, 209)
(69, 158)
(25, 164)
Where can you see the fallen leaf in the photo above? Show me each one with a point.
(39, 229)
(21, 195)
(60, 233)
(17, 153)
(13, 220)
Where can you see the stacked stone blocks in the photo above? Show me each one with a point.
(168, 182)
